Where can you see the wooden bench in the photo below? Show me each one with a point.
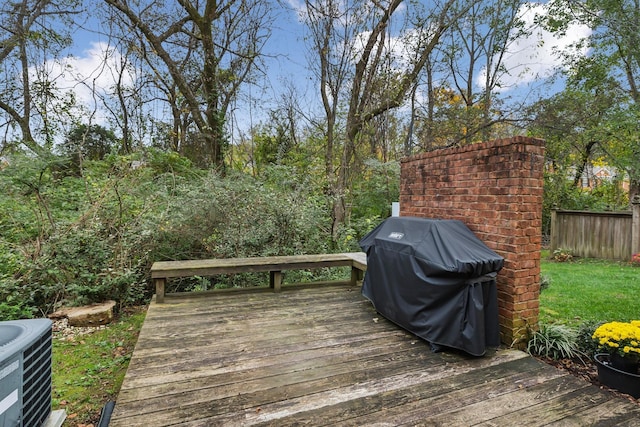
(163, 270)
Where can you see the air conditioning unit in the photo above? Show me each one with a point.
(25, 372)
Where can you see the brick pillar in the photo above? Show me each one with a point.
(495, 188)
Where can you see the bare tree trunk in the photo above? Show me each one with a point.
(584, 160)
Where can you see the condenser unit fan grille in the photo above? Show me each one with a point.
(37, 381)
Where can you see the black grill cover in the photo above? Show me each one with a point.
(436, 279)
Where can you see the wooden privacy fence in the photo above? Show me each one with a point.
(608, 235)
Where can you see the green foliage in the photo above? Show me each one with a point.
(560, 193)
(13, 305)
(87, 142)
(608, 76)
(71, 240)
(584, 128)
(584, 339)
(271, 148)
(11, 309)
(376, 189)
(609, 195)
(554, 341)
(350, 235)
(84, 238)
(71, 268)
(373, 193)
(77, 267)
(170, 162)
(238, 216)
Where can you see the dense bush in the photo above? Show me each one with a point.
(78, 266)
(376, 193)
(237, 216)
(63, 237)
(12, 305)
(70, 240)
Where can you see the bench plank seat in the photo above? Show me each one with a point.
(163, 270)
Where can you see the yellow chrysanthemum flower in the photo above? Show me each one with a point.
(620, 337)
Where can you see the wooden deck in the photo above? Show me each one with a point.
(322, 356)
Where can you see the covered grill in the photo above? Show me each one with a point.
(436, 279)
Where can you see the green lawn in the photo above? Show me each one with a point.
(589, 290)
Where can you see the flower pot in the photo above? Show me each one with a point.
(627, 364)
(620, 380)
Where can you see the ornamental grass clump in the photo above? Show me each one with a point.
(622, 338)
(554, 342)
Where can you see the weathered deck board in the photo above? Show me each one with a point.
(323, 356)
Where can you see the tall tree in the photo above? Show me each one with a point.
(366, 64)
(612, 64)
(208, 49)
(574, 125)
(28, 34)
(475, 50)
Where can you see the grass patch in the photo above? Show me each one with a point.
(88, 369)
(589, 290)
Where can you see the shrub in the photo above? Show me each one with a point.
(14, 310)
(584, 339)
(555, 342)
(559, 192)
(376, 189)
(239, 216)
(562, 255)
(13, 305)
(84, 235)
(74, 268)
(94, 236)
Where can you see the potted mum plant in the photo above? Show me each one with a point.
(619, 357)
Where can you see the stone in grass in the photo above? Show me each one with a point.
(90, 315)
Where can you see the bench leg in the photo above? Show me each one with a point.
(275, 280)
(160, 282)
(356, 275)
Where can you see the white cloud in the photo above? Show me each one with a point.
(536, 56)
(402, 49)
(89, 76)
